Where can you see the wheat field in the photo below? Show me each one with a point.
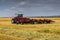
(9, 31)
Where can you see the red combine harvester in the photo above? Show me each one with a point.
(24, 20)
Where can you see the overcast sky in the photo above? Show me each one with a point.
(9, 8)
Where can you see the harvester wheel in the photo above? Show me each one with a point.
(21, 23)
(12, 21)
(35, 22)
(17, 22)
(32, 22)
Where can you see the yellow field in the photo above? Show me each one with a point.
(9, 31)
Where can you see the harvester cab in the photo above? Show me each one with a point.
(20, 15)
(16, 18)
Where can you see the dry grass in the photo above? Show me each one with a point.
(30, 31)
(8, 37)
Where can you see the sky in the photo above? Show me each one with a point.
(9, 8)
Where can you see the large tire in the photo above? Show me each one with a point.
(22, 23)
(17, 22)
(35, 22)
(12, 21)
(32, 22)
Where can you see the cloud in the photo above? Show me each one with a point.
(30, 6)
(22, 3)
(13, 10)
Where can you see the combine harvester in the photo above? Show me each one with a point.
(19, 19)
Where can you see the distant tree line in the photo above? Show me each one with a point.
(37, 17)
(44, 16)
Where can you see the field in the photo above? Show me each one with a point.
(9, 31)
